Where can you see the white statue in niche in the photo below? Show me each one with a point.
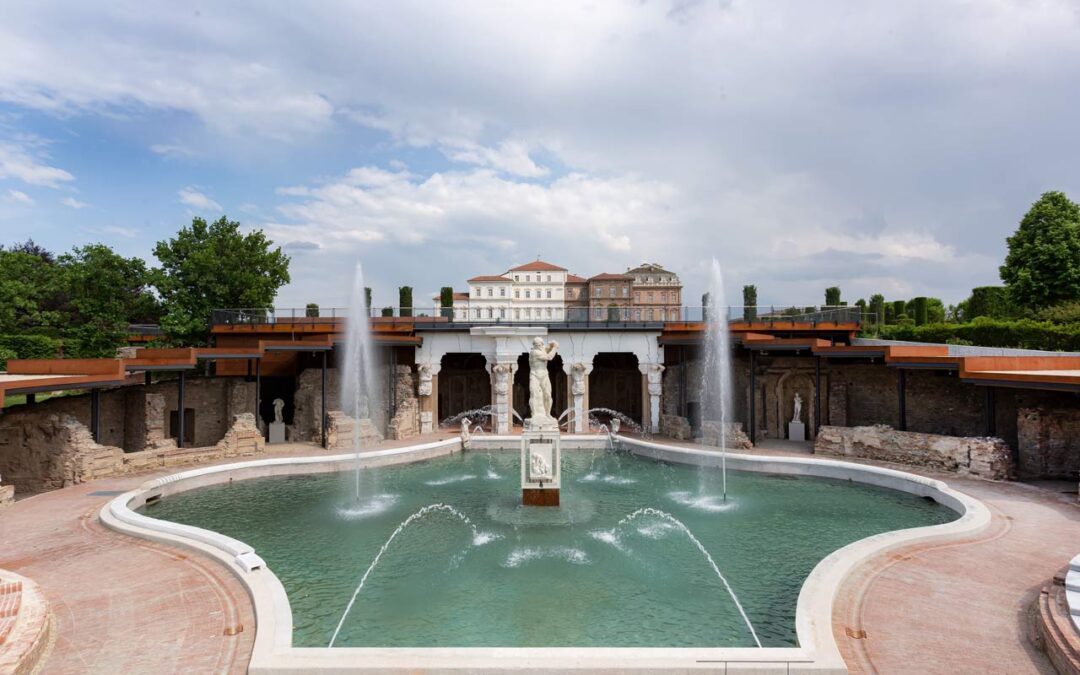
(424, 387)
(655, 378)
(502, 378)
(540, 382)
(797, 417)
(538, 467)
(577, 379)
(279, 406)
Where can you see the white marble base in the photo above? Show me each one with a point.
(545, 445)
(796, 431)
(277, 432)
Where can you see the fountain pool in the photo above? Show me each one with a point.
(586, 574)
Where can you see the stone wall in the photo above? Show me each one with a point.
(340, 430)
(406, 421)
(674, 426)
(47, 452)
(734, 438)
(980, 457)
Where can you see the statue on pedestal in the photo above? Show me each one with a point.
(540, 400)
(798, 408)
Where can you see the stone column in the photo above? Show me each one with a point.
(502, 394)
(651, 388)
(428, 393)
(578, 383)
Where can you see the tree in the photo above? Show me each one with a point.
(446, 301)
(1042, 267)
(705, 306)
(311, 310)
(30, 248)
(832, 296)
(30, 296)
(405, 306)
(388, 311)
(877, 308)
(749, 301)
(920, 310)
(935, 310)
(210, 266)
(105, 293)
(899, 309)
(991, 301)
(367, 299)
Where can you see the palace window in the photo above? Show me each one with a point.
(490, 291)
(517, 277)
(528, 277)
(549, 293)
(599, 291)
(626, 291)
(476, 292)
(637, 315)
(476, 312)
(549, 313)
(502, 313)
(549, 277)
(517, 293)
(650, 314)
(528, 293)
(502, 291)
(611, 291)
(517, 313)
(489, 313)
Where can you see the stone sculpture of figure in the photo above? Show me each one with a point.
(538, 467)
(577, 379)
(279, 405)
(502, 378)
(540, 383)
(424, 387)
(798, 408)
(655, 377)
(465, 434)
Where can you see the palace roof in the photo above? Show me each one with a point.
(538, 266)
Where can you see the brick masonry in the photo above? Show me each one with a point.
(979, 457)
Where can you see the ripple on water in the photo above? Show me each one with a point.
(607, 478)
(710, 503)
(572, 510)
(450, 479)
(526, 554)
(368, 508)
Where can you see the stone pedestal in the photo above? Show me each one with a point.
(541, 470)
(277, 432)
(796, 431)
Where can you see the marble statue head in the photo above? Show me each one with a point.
(538, 341)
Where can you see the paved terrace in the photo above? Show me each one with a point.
(127, 605)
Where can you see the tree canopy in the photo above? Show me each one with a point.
(212, 266)
(1043, 264)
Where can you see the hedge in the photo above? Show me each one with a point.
(30, 346)
(987, 332)
(5, 356)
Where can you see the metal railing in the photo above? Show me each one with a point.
(478, 314)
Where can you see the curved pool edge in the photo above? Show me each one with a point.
(273, 652)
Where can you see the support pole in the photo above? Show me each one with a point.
(324, 416)
(817, 395)
(95, 414)
(258, 393)
(991, 408)
(753, 397)
(901, 395)
(148, 378)
(180, 411)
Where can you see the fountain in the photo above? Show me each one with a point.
(716, 377)
(541, 472)
(357, 392)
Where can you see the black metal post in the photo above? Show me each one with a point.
(753, 397)
(325, 417)
(991, 409)
(148, 378)
(817, 395)
(95, 414)
(901, 394)
(180, 411)
(258, 393)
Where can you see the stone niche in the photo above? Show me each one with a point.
(981, 457)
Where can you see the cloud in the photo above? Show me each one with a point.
(73, 203)
(19, 197)
(19, 160)
(197, 200)
(173, 150)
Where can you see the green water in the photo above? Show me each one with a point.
(546, 577)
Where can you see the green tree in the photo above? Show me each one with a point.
(105, 292)
(877, 308)
(832, 296)
(1042, 267)
(919, 304)
(405, 306)
(210, 266)
(446, 301)
(311, 310)
(991, 301)
(388, 311)
(31, 297)
(367, 299)
(935, 310)
(899, 309)
(749, 301)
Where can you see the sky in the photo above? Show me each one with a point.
(878, 146)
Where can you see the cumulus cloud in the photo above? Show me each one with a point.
(197, 200)
(73, 203)
(19, 197)
(19, 160)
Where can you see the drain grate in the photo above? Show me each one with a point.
(105, 493)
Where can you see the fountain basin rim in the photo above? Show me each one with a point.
(273, 651)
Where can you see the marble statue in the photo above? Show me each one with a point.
(466, 436)
(540, 383)
(577, 379)
(424, 387)
(502, 378)
(279, 405)
(655, 378)
(798, 408)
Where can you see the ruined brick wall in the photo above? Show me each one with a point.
(1048, 435)
(46, 452)
(339, 433)
(981, 457)
(406, 421)
(307, 401)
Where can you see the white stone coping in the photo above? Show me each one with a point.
(273, 652)
(1072, 591)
